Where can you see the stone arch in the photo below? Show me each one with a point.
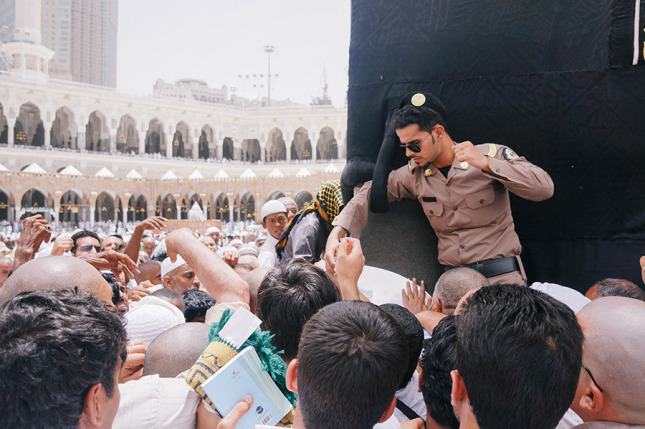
(181, 146)
(218, 206)
(244, 207)
(97, 136)
(166, 206)
(127, 137)
(228, 149)
(276, 149)
(327, 146)
(187, 202)
(74, 207)
(29, 129)
(137, 207)
(4, 126)
(7, 205)
(251, 151)
(155, 137)
(274, 195)
(64, 129)
(303, 198)
(206, 147)
(301, 145)
(37, 201)
(108, 207)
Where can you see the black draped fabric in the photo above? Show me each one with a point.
(554, 80)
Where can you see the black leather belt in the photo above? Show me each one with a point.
(494, 267)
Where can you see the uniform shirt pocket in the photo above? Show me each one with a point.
(481, 199)
(433, 208)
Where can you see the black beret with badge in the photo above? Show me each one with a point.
(424, 99)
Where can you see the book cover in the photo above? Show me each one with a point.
(242, 376)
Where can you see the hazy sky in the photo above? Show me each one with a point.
(216, 41)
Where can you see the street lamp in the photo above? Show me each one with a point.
(269, 49)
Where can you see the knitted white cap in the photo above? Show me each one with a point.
(167, 266)
(271, 207)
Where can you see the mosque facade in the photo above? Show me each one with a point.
(81, 153)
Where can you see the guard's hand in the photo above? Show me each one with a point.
(133, 365)
(62, 244)
(467, 152)
(157, 223)
(414, 297)
(113, 261)
(642, 261)
(238, 411)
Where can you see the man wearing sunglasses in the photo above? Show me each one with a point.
(85, 242)
(463, 189)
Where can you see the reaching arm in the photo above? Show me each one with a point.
(221, 282)
(153, 222)
(34, 231)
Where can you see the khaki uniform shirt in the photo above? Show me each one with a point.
(469, 210)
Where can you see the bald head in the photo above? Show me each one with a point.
(150, 271)
(176, 350)
(454, 285)
(254, 279)
(56, 272)
(613, 350)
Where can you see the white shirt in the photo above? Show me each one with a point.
(268, 256)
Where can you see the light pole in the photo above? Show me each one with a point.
(268, 49)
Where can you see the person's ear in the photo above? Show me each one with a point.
(435, 305)
(92, 406)
(167, 282)
(592, 400)
(458, 394)
(389, 411)
(439, 130)
(292, 376)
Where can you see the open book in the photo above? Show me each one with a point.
(242, 376)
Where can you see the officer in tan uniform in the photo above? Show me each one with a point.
(463, 189)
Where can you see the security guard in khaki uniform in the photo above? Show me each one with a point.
(463, 189)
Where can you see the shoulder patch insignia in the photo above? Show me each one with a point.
(492, 150)
(509, 154)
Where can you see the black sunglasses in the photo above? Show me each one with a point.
(591, 376)
(415, 146)
(89, 247)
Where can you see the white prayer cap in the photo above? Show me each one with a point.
(211, 230)
(152, 317)
(271, 207)
(167, 266)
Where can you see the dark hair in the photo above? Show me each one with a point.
(54, 346)
(351, 360)
(114, 284)
(519, 352)
(439, 358)
(413, 332)
(159, 257)
(288, 297)
(619, 287)
(424, 117)
(197, 303)
(84, 233)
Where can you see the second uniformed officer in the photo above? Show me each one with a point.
(463, 189)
